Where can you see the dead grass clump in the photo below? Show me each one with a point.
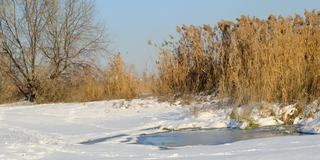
(120, 82)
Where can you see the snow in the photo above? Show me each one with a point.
(181, 119)
(311, 122)
(309, 125)
(108, 130)
(261, 114)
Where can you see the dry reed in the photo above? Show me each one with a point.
(249, 60)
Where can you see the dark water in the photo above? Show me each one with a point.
(212, 136)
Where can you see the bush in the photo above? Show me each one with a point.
(8, 91)
(85, 84)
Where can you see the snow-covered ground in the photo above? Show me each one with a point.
(108, 130)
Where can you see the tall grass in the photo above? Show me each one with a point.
(121, 82)
(88, 84)
(249, 60)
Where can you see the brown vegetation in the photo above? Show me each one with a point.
(250, 60)
(49, 53)
(90, 84)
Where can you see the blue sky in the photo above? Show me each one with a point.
(131, 23)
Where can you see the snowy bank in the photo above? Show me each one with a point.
(311, 123)
(202, 115)
(108, 130)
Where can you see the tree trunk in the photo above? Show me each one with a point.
(30, 94)
(31, 97)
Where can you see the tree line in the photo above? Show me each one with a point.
(50, 50)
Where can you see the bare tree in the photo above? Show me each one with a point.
(52, 35)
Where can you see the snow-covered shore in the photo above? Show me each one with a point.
(108, 130)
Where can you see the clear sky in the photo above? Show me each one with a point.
(131, 23)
